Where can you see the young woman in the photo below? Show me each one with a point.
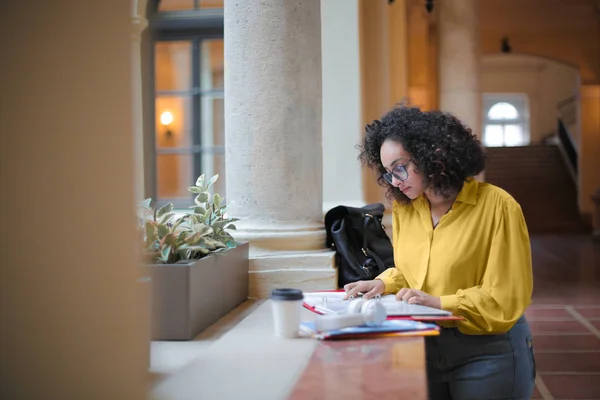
(459, 245)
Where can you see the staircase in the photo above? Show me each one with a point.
(538, 178)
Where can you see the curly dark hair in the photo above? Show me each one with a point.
(443, 149)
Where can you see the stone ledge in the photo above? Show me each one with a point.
(236, 365)
(166, 357)
(306, 271)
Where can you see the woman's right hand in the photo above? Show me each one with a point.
(369, 289)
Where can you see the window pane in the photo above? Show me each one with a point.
(503, 110)
(513, 135)
(173, 66)
(493, 136)
(213, 122)
(173, 119)
(212, 65)
(174, 176)
(175, 5)
(211, 3)
(212, 164)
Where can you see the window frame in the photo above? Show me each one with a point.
(518, 100)
(195, 26)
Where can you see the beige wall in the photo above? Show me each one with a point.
(422, 55)
(545, 82)
(342, 103)
(383, 71)
(563, 30)
(73, 323)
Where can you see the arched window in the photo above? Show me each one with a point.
(188, 107)
(506, 121)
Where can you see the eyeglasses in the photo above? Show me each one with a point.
(399, 172)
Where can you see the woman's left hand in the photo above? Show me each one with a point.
(414, 296)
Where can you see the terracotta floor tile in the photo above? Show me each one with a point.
(571, 362)
(557, 326)
(573, 386)
(589, 312)
(566, 342)
(542, 312)
(560, 296)
(536, 394)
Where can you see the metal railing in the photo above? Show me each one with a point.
(567, 131)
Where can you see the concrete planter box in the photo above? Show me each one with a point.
(187, 298)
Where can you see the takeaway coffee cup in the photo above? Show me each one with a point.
(287, 308)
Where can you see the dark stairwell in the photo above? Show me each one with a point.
(538, 178)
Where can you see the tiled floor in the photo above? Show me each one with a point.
(565, 317)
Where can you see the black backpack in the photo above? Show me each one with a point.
(363, 249)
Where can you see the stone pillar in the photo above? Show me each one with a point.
(273, 141)
(459, 61)
(69, 301)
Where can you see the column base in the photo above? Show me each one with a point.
(307, 270)
(289, 237)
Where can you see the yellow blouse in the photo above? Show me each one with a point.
(477, 259)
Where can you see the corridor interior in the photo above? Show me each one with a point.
(565, 316)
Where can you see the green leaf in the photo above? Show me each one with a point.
(195, 247)
(167, 208)
(195, 189)
(231, 226)
(219, 224)
(202, 198)
(163, 230)
(164, 253)
(200, 210)
(217, 199)
(219, 244)
(146, 203)
(170, 239)
(231, 244)
(192, 239)
(167, 217)
(150, 231)
(144, 211)
(200, 181)
(180, 221)
(212, 180)
(184, 254)
(182, 236)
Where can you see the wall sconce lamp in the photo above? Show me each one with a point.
(166, 118)
(429, 6)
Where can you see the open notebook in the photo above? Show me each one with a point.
(331, 302)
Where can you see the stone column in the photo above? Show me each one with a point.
(459, 61)
(273, 141)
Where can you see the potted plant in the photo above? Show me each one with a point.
(198, 271)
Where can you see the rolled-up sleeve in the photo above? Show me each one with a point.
(505, 290)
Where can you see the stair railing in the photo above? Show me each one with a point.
(568, 133)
